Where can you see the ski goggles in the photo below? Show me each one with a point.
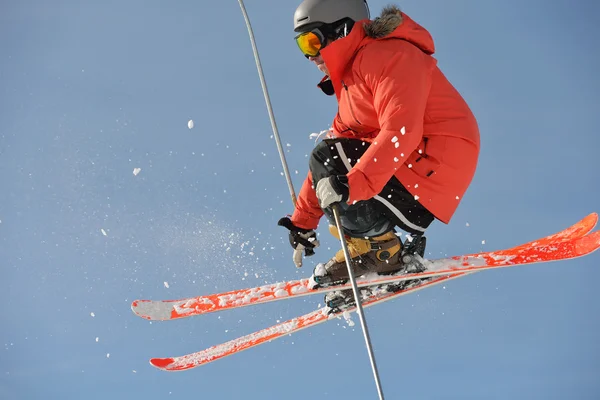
(310, 43)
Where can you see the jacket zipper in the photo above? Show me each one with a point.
(350, 103)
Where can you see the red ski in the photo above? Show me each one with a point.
(282, 329)
(542, 250)
(570, 243)
(569, 249)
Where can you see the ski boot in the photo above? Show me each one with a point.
(339, 300)
(413, 254)
(383, 255)
(380, 255)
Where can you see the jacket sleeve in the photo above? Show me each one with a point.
(398, 75)
(307, 212)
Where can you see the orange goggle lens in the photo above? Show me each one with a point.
(309, 44)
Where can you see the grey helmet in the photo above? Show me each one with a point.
(311, 13)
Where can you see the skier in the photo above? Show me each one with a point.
(403, 147)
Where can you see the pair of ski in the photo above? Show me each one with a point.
(573, 242)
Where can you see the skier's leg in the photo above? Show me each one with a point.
(368, 225)
(393, 206)
(335, 157)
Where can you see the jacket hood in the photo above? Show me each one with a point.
(391, 24)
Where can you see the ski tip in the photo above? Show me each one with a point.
(589, 243)
(135, 308)
(139, 303)
(151, 310)
(161, 363)
(592, 218)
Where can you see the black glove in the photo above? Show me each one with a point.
(331, 190)
(300, 239)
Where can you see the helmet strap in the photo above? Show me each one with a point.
(342, 29)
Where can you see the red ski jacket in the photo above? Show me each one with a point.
(391, 93)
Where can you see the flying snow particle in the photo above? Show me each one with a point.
(103, 232)
(348, 318)
(416, 197)
(136, 171)
(468, 224)
(190, 124)
(403, 130)
(97, 339)
(166, 284)
(107, 355)
(92, 314)
(483, 242)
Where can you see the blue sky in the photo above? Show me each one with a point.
(91, 90)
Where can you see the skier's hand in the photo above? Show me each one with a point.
(332, 190)
(300, 239)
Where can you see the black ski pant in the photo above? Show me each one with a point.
(393, 207)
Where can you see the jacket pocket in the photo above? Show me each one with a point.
(423, 164)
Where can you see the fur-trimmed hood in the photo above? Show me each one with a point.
(386, 23)
(394, 23)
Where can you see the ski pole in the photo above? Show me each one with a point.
(263, 84)
(293, 196)
(359, 307)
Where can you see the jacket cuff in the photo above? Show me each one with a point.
(356, 181)
(304, 221)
